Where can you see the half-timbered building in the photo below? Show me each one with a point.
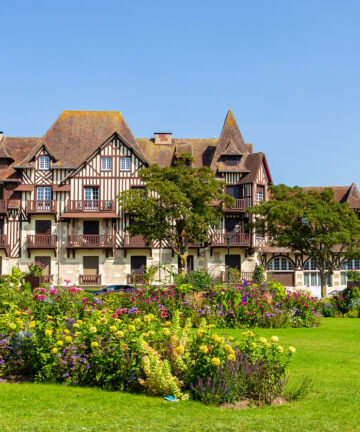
(58, 202)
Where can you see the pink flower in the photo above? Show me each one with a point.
(53, 291)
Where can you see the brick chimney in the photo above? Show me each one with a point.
(163, 137)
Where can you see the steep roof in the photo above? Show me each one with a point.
(77, 134)
(230, 140)
(15, 148)
(349, 194)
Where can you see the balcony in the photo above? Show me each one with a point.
(41, 207)
(90, 209)
(135, 278)
(236, 240)
(136, 242)
(240, 206)
(89, 279)
(4, 243)
(41, 241)
(90, 241)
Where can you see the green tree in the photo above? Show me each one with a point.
(177, 206)
(310, 223)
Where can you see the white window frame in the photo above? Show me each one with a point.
(92, 193)
(44, 162)
(43, 193)
(125, 164)
(312, 275)
(106, 163)
(280, 264)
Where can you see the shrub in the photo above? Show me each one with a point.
(198, 279)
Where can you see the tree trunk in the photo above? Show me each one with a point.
(182, 263)
(323, 284)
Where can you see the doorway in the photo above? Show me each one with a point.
(91, 265)
(46, 262)
(91, 227)
(234, 262)
(42, 227)
(138, 264)
(190, 263)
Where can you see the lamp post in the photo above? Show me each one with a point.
(228, 238)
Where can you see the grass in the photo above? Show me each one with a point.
(329, 354)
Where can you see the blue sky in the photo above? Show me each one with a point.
(289, 70)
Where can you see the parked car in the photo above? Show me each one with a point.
(113, 288)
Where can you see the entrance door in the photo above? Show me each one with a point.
(190, 263)
(138, 264)
(45, 261)
(235, 262)
(91, 265)
(91, 227)
(42, 227)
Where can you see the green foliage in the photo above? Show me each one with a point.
(276, 288)
(35, 268)
(259, 275)
(301, 391)
(353, 276)
(312, 223)
(177, 206)
(199, 280)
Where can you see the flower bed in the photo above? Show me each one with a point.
(64, 335)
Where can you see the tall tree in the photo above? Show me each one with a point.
(177, 206)
(311, 223)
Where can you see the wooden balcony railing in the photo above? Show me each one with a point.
(90, 206)
(90, 241)
(136, 241)
(3, 241)
(240, 205)
(3, 206)
(135, 278)
(220, 239)
(89, 279)
(260, 242)
(41, 241)
(46, 206)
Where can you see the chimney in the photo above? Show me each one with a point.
(163, 137)
(1, 135)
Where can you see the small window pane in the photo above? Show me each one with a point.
(44, 162)
(91, 193)
(106, 164)
(43, 194)
(125, 164)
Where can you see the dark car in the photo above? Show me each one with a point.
(114, 288)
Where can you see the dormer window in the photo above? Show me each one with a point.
(44, 162)
(232, 160)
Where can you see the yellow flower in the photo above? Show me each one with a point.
(68, 339)
(60, 343)
(55, 350)
(274, 339)
(119, 334)
(231, 357)
(215, 338)
(76, 325)
(92, 329)
(254, 345)
(32, 324)
(94, 344)
(210, 326)
(167, 323)
(66, 331)
(12, 326)
(48, 332)
(150, 333)
(17, 312)
(228, 348)
(204, 349)
(124, 346)
(76, 334)
(263, 340)
(292, 350)
(200, 333)
(280, 349)
(131, 328)
(215, 361)
(180, 350)
(230, 338)
(79, 321)
(103, 320)
(137, 320)
(251, 334)
(112, 328)
(267, 344)
(166, 332)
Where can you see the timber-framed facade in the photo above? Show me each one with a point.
(58, 203)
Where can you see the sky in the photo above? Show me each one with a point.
(288, 69)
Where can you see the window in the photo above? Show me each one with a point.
(125, 164)
(43, 193)
(347, 265)
(44, 162)
(91, 193)
(232, 160)
(280, 264)
(312, 275)
(260, 192)
(106, 164)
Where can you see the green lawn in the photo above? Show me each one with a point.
(330, 354)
